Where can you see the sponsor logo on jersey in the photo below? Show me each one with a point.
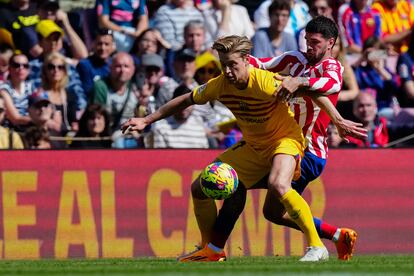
(201, 88)
(243, 106)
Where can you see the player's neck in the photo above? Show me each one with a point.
(314, 62)
(243, 82)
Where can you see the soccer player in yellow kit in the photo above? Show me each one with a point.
(272, 141)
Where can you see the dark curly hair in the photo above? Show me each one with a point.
(324, 26)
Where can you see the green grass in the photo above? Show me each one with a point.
(360, 265)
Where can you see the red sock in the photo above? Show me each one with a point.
(325, 230)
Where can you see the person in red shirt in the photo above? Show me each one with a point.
(366, 111)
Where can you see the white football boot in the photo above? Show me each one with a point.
(315, 254)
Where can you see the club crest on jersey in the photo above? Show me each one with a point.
(201, 88)
(332, 67)
(243, 106)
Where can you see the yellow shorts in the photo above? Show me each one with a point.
(252, 165)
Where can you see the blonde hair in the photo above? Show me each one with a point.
(233, 44)
(46, 85)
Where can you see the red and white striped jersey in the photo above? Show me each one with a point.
(324, 77)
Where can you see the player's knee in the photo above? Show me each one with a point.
(278, 186)
(196, 191)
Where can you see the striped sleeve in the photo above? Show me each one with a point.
(274, 64)
(329, 80)
(103, 7)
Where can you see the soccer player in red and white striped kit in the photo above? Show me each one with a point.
(311, 71)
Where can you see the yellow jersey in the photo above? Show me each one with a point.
(262, 119)
(395, 20)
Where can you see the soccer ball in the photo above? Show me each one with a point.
(219, 180)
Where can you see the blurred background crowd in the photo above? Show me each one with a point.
(71, 72)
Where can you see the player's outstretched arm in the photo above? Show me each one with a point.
(345, 127)
(168, 109)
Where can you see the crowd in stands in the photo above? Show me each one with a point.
(70, 78)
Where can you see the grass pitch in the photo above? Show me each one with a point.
(360, 265)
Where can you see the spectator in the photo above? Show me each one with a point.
(321, 8)
(357, 23)
(37, 138)
(95, 124)
(181, 130)
(334, 139)
(350, 87)
(43, 118)
(18, 19)
(151, 82)
(128, 19)
(365, 110)
(149, 41)
(405, 69)
(374, 77)
(51, 41)
(207, 67)
(5, 54)
(97, 64)
(72, 43)
(171, 18)
(16, 90)
(195, 36)
(185, 67)
(298, 18)
(318, 8)
(194, 41)
(397, 19)
(54, 80)
(117, 94)
(8, 138)
(274, 41)
(222, 18)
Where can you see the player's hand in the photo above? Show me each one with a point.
(134, 124)
(347, 128)
(287, 88)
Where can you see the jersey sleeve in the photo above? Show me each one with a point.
(142, 10)
(209, 91)
(331, 78)
(273, 64)
(103, 7)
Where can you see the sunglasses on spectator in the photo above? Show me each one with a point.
(60, 67)
(2, 110)
(209, 71)
(17, 65)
